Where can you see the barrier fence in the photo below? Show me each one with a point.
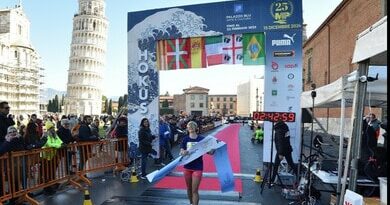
(24, 172)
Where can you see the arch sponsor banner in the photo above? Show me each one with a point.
(232, 18)
(283, 84)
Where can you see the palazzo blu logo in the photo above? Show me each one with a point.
(238, 8)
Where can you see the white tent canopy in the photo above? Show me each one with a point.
(372, 44)
(329, 96)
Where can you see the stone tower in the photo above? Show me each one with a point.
(87, 59)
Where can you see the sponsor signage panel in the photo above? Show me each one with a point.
(283, 83)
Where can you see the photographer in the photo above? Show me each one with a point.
(283, 148)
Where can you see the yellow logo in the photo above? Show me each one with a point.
(281, 10)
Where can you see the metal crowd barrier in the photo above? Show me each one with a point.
(5, 186)
(24, 172)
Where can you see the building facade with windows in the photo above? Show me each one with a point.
(87, 59)
(21, 77)
(196, 99)
(327, 53)
(224, 105)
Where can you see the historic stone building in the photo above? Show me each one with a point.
(21, 77)
(328, 52)
(223, 105)
(87, 59)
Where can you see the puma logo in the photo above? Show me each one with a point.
(289, 37)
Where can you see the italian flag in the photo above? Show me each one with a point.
(214, 50)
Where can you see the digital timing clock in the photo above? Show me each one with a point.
(274, 116)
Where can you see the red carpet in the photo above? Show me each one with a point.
(230, 136)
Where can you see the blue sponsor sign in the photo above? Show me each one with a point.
(231, 17)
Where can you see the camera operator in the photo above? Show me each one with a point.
(283, 148)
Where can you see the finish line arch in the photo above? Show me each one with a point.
(281, 22)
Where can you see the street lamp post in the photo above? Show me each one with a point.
(257, 99)
(257, 103)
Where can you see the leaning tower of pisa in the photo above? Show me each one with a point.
(87, 59)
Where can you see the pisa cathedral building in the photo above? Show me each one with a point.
(87, 59)
(21, 78)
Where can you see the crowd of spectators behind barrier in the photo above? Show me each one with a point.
(32, 131)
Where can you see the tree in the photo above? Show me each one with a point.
(125, 100)
(120, 102)
(55, 104)
(165, 104)
(106, 106)
(49, 106)
(109, 110)
(61, 103)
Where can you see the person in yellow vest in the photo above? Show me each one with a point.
(258, 135)
(50, 159)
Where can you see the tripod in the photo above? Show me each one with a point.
(268, 172)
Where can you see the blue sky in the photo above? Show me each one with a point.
(51, 29)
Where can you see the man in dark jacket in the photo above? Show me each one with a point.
(85, 135)
(66, 137)
(5, 120)
(32, 135)
(283, 148)
(64, 132)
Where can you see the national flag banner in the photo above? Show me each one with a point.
(182, 53)
(254, 49)
(232, 48)
(197, 52)
(214, 51)
(161, 55)
(177, 53)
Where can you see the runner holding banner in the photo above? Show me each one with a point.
(222, 162)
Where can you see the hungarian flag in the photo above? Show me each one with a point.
(181, 53)
(214, 50)
(254, 49)
(232, 49)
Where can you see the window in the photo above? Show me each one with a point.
(16, 54)
(89, 95)
(231, 105)
(211, 99)
(218, 107)
(20, 29)
(224, 106)
(200, 104)
(192, 105)
(231, 99)
(309, 70)
(192, 97)
(200, 97)
(218, 99)
(224, 99)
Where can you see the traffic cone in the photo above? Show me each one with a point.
(133, 178)
(258, 177)
(87, 198)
